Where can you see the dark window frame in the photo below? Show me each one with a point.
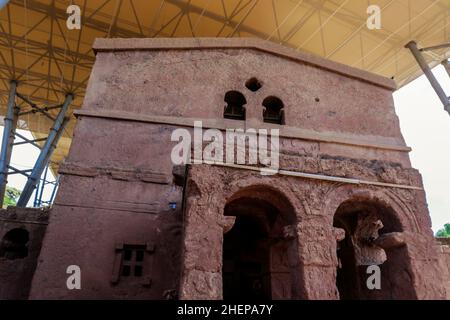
(126, 255)
(235, 107)
(273, 110)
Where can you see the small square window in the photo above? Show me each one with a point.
(130, 263)
(138, 271)
(126, 271)
(140, 255)
(133, 257)
(127, 255)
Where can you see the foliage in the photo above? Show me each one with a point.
(445, 232)
(11, 197)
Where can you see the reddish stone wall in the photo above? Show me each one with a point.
(444, 262)
(168, 82)
(117, 189)
(16, 272)
(118, 186)
(315, 205)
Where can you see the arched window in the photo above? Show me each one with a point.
(14, 244)
(273, 110)
(235, 105)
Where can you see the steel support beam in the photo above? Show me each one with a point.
(412, 46)
(441, 46)
(9, 129)
(55, 187)
(25, 141)
(46, 152)
(39, 193)
(446, 64)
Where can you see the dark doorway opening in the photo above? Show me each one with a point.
(348, 274)
(246, 261)
(395, 271)
(259, 262)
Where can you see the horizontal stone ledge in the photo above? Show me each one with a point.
(223, 124)
(125, 207)
(116, 173)
(269, 171)
(24, 221)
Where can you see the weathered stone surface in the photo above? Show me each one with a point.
(119, 184)
(444, 263)
(366, 253)
(16, 273)
(390, 240)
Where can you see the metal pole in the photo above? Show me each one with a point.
(55, 187)
(441, 46)
(412, 45)
(46, 152)
(36, 195)
(9, 129)
(39, 202)
(446, 65)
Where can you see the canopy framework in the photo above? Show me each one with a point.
(34, 179)
(48, 60)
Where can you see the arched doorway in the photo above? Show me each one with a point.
(372, 237)
(259, 260)
(14, 244)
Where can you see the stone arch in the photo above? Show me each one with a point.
(345, 192)
(14, 244)
(279, 187)
(281, 199)
(260, 251)
(375, 228)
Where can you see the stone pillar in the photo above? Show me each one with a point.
(317, 254)
(423, 256)
(204, 224)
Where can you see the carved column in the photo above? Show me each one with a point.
(204, 226)
(202, 250)
(317, 254)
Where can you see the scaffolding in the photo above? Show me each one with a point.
(37, 176)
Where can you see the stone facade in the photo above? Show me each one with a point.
(138, 226)
(444, 255)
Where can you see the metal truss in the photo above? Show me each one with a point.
(417, 53)
(43, 182)
(35, 179)
(70, 59)
(37, 49)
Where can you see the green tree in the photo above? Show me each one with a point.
(11, 196)
(445, 232)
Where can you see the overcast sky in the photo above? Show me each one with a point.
(424, 124)
(426, 128)
(24, 157)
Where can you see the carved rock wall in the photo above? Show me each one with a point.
(118, 190)
(444, 261)
(114, 193)
(315, 205)
(16, 271)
